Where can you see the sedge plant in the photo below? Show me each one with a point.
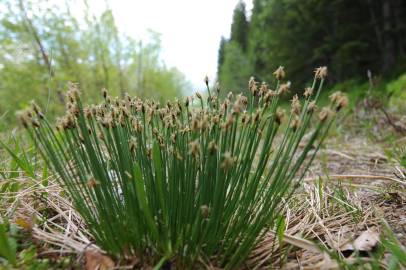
(184, 182)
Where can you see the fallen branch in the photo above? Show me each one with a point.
(357, 176)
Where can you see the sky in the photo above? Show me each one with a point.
(190, 30)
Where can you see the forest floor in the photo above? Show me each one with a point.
(354, 186)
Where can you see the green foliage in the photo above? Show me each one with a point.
(397, 251)
(20, 158)
(43, 46)
(182, 182)
(233, 65)
(397, 91)
(18, 253)
(349, 36)
(236, 68)
(239, 26)
(354, 88)
(342, 201)
(221, 55)
(8, 245)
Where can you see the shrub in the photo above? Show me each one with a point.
(397, 91)
(183, 182)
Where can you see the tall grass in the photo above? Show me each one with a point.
(183, 182)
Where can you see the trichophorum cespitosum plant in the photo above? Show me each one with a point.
(182, 182)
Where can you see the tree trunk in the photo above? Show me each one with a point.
(31, 29)
(399, 26)
(389, 43)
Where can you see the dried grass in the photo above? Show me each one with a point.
(360, 168)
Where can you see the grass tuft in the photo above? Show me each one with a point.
(183, 182)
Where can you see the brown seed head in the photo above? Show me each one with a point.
(253, 86)
(295, 105)
(88, 112)
(269, 95)
(229, 122)
(148, 152)
(92, 182)
(173, 138)
(127, 97)
(324, 114)
(321, 73)
(342, 102)
(104, 93)
(295, 123)
(284, 88)
(194, 148)
(312, 106)
(339, 100)
(263, 90)
(23, 117)
(228, 161)
(251, 82)
(308, 92)
(205, 211)
(133, 144)
(212, 147)
(279, 115)
(73, 92)
(218, 87)
(238, 106)
(256, 116)
(334, 97)
(155, 131)
(36, 108)
(279, 73)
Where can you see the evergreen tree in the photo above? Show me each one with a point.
(235, 71)
(349, 36)
(239, 26)
(221, 55)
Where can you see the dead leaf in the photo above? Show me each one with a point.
(96, 261)
(365, 242)
(26, 222)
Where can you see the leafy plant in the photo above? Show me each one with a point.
(8, 245)
(399, 154)
(397, 251)
(375, 258)
(20, 159)
(183, 182)
(19, 252)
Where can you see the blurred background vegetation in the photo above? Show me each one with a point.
(349, 36)
(43, 47)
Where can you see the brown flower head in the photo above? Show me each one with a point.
(321, 73)
(295, 105)
(284, 88)
(279, 73)
(324, 114)
(308, 92)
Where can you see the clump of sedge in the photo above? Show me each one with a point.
(181, 181)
